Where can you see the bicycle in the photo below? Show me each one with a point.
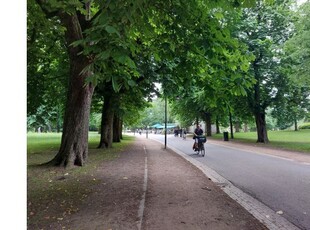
(200, 148)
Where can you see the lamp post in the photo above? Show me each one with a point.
(165, 122)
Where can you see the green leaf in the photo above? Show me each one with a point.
(131, 83)
(124, 59)
(104, 55)
(115, 84)
(218, 15)
(111, 30)
(130, 62)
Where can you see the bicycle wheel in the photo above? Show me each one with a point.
(199, 148)
(202, 150)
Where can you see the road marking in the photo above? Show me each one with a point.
(142, 201)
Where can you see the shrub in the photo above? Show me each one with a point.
(305, 126)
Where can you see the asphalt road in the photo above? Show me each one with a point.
(281, 184)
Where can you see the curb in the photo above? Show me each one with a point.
(264, 214)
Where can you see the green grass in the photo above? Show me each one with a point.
(38, 142)
(44, 146)
(290, 140)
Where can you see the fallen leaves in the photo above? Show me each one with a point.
(280, 212)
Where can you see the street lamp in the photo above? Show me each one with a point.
(165, 122)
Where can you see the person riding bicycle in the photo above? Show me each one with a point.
(197, 132)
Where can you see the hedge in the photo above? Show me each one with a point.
(305, 126)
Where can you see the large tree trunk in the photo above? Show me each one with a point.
(116, 129)
(74, 142)
(208, 124)
(258, 108)
(106, 137)
(262, 136)
(121, 129)
(217, 124)
(295, 125)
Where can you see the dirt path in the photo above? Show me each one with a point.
(180, 196)
(177, 196)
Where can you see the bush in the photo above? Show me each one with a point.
(93, 128)
(305, 126)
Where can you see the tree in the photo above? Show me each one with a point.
(297, 47)
(102, 41)
(264, 29)
(216, 72)
(47, 68)
(74, 142)
(92, 35)
(297, 67)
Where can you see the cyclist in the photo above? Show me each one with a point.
(197, 132)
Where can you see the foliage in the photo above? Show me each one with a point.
(199, 51)
(94, 121)
(47, 68)
(305, 126)
(296, 103)
(153, 114)
(297, 48)
(212, 69)
(47, 118)
(264, 29)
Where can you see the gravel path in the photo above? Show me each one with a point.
(148, 187)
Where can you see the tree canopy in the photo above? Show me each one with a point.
(212, 58)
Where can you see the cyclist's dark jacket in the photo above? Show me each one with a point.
(198, 131)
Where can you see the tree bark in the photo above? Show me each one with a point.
(258, 108)
(74, 142)
(121, 129)
(217, 126)
(106, 137)
(208, 124)
(262, 136)
(116, 129)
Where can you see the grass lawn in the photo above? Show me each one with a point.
(290, 140)
(50, 189)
